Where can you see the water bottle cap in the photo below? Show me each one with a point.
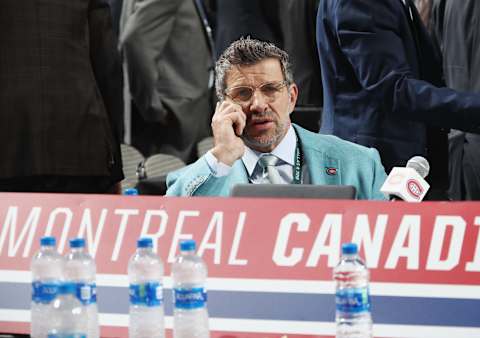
(48, 241)
(67, 288)
(77, 243)
(187, 245)
(144, 242)
(349, 248)
(130, 192)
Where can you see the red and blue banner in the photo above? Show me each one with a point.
(270, 261)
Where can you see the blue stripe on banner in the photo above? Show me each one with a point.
(285, 306)
(15, 296)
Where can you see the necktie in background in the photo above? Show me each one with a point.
(268, 163)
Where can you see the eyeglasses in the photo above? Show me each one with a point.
(243, 94)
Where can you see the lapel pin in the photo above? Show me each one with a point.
(331, 171)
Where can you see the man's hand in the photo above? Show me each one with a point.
(228, 123)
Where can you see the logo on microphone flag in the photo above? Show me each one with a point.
(406, 184)
(414, 188)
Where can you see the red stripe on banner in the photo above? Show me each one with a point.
(14, 328)
(123, 332)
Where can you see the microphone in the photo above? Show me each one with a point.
(407, 183)
(420, 164)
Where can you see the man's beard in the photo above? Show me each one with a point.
(264, 141)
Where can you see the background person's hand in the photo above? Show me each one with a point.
(228, 123)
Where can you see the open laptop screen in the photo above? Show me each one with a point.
(294, 191)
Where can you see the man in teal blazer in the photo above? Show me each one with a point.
(252, 124)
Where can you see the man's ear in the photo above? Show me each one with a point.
(292, 96)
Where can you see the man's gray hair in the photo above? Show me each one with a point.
(245, 52)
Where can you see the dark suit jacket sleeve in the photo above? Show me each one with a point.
(144, 37)
(107, 69)
(369, 36)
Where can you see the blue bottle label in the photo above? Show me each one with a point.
(147, 294)
(67, 335)
(353, 300)
(194, 298)
(86, 293)
(43, 292)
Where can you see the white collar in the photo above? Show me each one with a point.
(285, 151)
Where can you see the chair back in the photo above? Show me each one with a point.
(152, 173)
(159, 165)
(131, 158)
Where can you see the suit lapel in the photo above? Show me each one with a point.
(323, 168)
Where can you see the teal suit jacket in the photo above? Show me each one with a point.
(355, 165)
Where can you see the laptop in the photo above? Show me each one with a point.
(294, 191)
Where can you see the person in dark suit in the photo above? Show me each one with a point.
(455, 25)
(289, 24)
(170, 69)
(383, 87)
(60, 97)
(116, 10)
(241, 18)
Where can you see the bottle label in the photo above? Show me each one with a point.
(147, 294)
(44, 293)
(86, 293)
(353, 300)
(67, 335)
(194, 298)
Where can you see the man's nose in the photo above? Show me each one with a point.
(258, 102)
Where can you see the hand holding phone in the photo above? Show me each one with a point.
(228, 123)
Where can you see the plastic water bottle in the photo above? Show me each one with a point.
(80, 270)
(47, 276)
(145, 274)
(68, 316)
(189, 274)
(353, 318)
